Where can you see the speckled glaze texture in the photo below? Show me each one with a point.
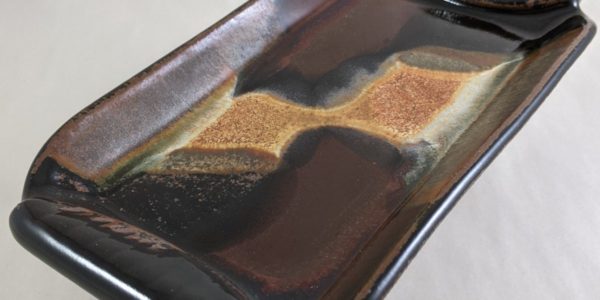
(296, 149)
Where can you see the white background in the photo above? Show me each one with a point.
(528, 229)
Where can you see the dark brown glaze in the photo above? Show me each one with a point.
(327, 216)
(309, 207)
(294, 148)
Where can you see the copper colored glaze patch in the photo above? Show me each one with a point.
(396, 105)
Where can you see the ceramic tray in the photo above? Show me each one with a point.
(296, 149)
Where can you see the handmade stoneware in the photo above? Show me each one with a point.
(296, 149)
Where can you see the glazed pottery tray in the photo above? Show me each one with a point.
(296, 149)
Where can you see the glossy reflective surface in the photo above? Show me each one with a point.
(291, 151)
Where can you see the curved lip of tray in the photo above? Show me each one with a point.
(105, 281)
(387, 280)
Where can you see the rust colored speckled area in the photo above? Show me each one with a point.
(253, 133)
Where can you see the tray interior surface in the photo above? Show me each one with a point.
(293, 149)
